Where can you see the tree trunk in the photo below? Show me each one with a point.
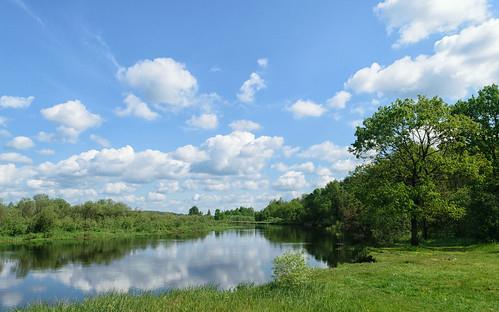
(425, 230)
(414, 232)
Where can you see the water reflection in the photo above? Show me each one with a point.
(52, 272)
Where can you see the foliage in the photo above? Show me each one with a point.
(290, 269)
(432, 171)
(41, 216)
(241, 214)
(194, 211)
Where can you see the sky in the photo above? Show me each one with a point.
(168, 104)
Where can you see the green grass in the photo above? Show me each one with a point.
(188, 227)
(454, 278)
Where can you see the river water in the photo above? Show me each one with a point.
(55, 272)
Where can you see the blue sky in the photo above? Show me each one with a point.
(164, 105)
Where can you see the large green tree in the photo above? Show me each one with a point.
(420, 139)
(482, 218)
(484, 110)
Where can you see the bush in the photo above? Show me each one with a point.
(44, 221)
(290, 269)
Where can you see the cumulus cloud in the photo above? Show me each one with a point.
(189, 153)
(203, 121)
(289, 151)
(303, 108)
(461, 63)
(156, 197)
(339, 100)
(250, 87)
(11, 175)
(117, 188)
(416, 20)
(168, 187)
(136, 107)
(7, 101)
(15, 158)
(73, 118)
(46, 137)
(125, 163)
(163, 81)
(304, 167)
(244, 125)
(237, 153)
(326, 150)
(233, 161)
(21, 142)
(291, 181)
(39, 184)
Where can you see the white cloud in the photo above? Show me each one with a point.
(136, 107)
(237, 153)
(250, 87)
(461, 63)
(73, 118)
(244, 125)
(291, 181)
(324, 177)
(326, 150)
(189, 153)
(15, 158)
(3, 121)
(262, 62)
(168, 187)
(124, 163)
(303, 108)
(203, 121)
(100, 140)
(15, 101)
(40, 184)
(21, 142)
(339, 100)
(416, 20)
(304, 167)
(156, 197)
(117, 188)
(234, 161)
(46, 152)
(344, 165)
(164, 82)
(46, 137)
(10, 175)
(289, 151)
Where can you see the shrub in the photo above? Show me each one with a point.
(44, 221)
(290, 269)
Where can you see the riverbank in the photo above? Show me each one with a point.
(184, 227)
(457, 278)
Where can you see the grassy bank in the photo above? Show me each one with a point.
(169, 227)
(403, 279)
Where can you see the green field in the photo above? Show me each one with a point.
(457, 278)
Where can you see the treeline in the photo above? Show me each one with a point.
(42, 214)
(432, 171)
